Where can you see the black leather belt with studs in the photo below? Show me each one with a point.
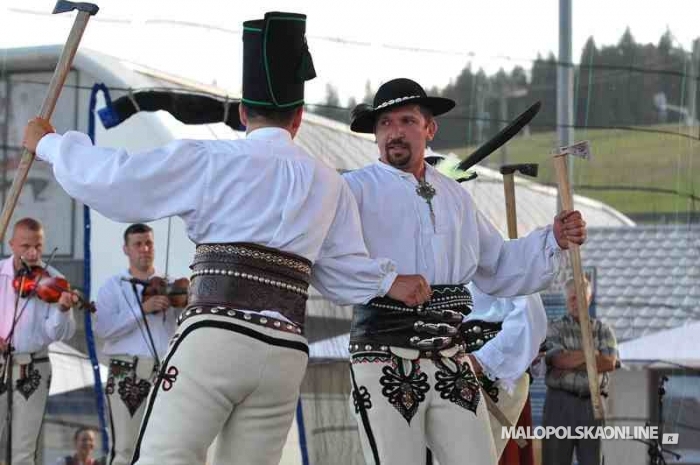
(249, 276)
(429, 327)
(241, 315)
(476, 333)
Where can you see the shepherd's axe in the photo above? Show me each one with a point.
(503, 136)
(85, 10)
(508, 172)
(581, 150)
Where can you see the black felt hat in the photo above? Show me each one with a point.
(396, 93)
(276, 61)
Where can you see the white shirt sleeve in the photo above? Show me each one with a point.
(508, 355)
(59, 326)
(167, 181)
(516, 267)
(114, 319)
(344, 272)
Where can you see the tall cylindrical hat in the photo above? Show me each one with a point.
(276, 61)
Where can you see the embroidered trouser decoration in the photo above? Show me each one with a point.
(405, 391)
(458, 384)
(127, 389)
(438, 406)
(29, 380)
(361, 399)
(133, 392)
(489, 386)
(131, 389)
(31, 391)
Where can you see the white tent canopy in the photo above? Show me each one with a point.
(71, 369)
(676, 347)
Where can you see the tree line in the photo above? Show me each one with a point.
(625, 84)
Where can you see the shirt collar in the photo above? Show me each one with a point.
(270, 133)
(126, 274)
(429, 171)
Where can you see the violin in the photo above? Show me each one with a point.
(175, 291)
(37, 281)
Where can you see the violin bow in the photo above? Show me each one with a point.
(167, 256)
(167, 247)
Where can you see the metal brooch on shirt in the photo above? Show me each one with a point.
(427, 191)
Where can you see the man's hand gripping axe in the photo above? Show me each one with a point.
(581, 150)
(85, 10)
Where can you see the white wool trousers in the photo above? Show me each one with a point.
(130, 380)
(403, 406)
(224, 377)
(31, 379)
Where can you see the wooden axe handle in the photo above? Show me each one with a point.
(59, 78)
(581, 300)
(511, 215)
(501, 417)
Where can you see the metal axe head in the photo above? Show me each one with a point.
(528, 169)
(63, 6)
(579, 149)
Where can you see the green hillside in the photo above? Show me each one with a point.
(621, 158)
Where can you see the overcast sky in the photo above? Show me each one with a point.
(351, 41)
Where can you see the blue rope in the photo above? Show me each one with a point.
(302, 434)
(89, 335)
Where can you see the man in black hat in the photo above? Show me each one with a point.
(412, 382)
(264, 215)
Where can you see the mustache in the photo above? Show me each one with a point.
(397, 143)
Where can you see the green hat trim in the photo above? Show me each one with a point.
(267, 67)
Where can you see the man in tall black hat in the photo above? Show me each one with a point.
(413, 384)
(268, 220)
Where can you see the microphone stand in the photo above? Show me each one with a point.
(156, 369)
(655, 449)
(7, 375)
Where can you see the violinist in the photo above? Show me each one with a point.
(36, 325)
(135, 325)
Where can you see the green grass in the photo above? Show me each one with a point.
(620, 158)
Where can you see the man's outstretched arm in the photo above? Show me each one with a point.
(124, 187)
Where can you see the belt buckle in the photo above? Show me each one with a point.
(22, 359)
(446, 315)
(432, 343)
(437, 329)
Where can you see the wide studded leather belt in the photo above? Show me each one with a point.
(432, 326)
(251, 277)
(476, 333)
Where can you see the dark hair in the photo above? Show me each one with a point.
(137, 228)
(82, 429)
(425, 111)
(28, 223)
(271, 115)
